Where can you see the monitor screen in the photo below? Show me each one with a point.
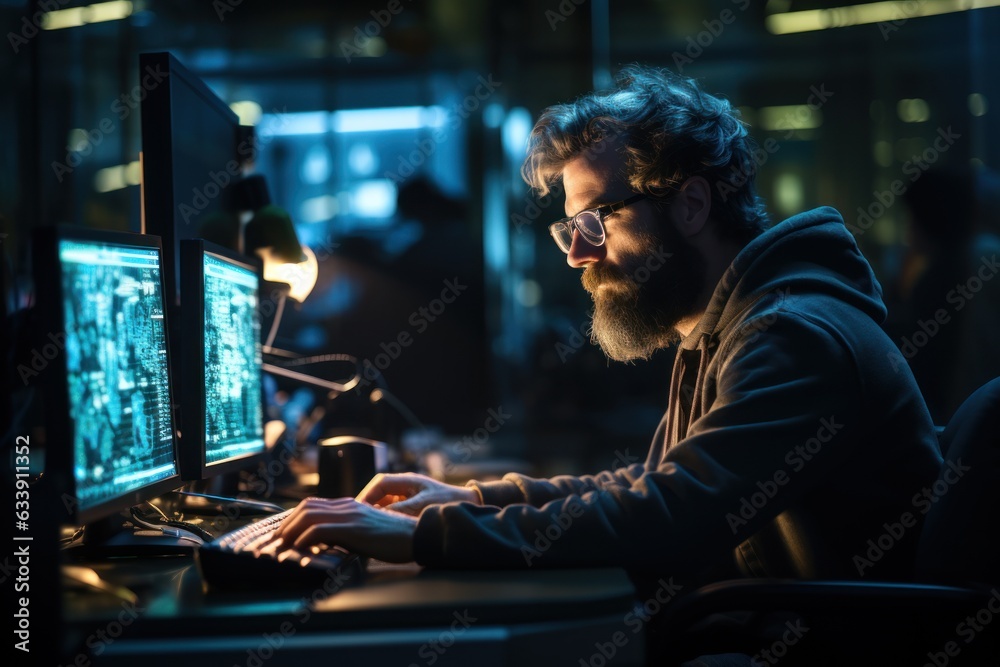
(223, 400)
(114, 404)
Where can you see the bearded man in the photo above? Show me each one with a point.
(789, 413)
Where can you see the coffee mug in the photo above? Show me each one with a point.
(347, 463)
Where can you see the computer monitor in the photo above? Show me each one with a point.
(191, 156)
(110, 440)
(222, 404)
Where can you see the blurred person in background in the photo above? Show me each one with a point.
(946, 297)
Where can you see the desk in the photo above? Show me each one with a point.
(398, 615)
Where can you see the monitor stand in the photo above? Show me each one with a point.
(227, 484)
(111, 538)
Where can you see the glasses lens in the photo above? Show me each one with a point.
(589, 224)
(563, 235)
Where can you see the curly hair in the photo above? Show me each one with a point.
(670, 130)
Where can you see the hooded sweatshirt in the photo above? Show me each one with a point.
(790, 414)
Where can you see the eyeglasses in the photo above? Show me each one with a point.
(590, 222)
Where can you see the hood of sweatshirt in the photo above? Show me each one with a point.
(809, 253)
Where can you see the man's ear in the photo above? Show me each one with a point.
(692, 206)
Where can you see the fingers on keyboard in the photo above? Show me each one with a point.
(269, 548)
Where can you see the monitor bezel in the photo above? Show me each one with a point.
(60, 428)
(192, 447)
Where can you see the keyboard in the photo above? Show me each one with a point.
(239, 559)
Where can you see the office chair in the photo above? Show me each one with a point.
(950, 614)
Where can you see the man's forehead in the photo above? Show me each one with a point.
(591, 178)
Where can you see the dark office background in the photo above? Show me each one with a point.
(422, 186)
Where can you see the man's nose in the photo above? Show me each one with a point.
(581, 253)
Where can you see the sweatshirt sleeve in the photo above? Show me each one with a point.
(517, 488)
(787, 401)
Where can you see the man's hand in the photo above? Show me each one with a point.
(410, 493)
(344, 522)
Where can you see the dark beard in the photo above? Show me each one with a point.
(637, 313)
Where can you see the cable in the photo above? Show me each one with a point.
(66, 541)
(278, 352)
(277, 320)
(320, 358)
(197, 531)
(139, 519)
(309, 379)
(380, 394)
(280, 369)
(240, 502)
(158, 511)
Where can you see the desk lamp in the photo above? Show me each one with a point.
(271, 235)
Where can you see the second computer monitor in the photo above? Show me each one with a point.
(108, 407)
(222, 405)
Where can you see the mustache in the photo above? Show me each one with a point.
(599, 274)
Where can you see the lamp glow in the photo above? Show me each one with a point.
(301, 277)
